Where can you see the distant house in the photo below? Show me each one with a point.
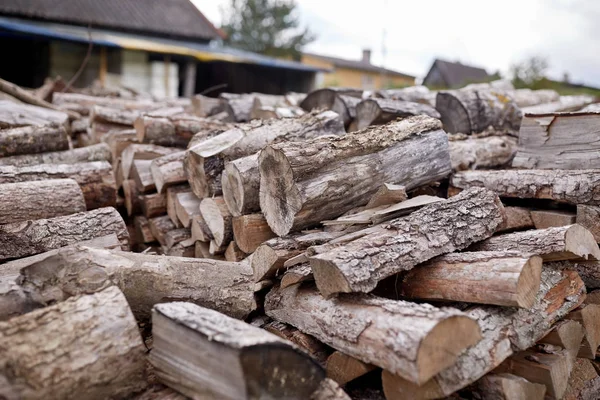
(449, 75)
(165, 47)
(355, 73)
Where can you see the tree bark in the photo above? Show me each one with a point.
(96, 152)
(218, 219)
(33, 139)
(13, 115)
(39, 199)
(168, 170)
(311, 346)
(589, 271)
(375, 330)
(381, 111)
(186, 206)
(503, 386)
(111, 115)
(482, 153)
(96, 179)
(142, 152)
(543, 219)
(205, 161)
(83, 359)
(142, 176)
(241, 361)
(176, 131)
(250, 231)
(27, 238)
(343, 368)
(573, 187)
(584, 383)
(417, 94)
(304, 183)
(503, 279)
(589, 218)
(240, 184)
(403, 243)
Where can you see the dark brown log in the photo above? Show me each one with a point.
(13, 115)
(142, 152)
(543, 219)
(401, 244)
(482, 152)
(32, 200)
(141, 174)
(303, 183)
(589, 218)
(381, 111)
(96, 152)
(186, 206)
(159, 226)
(502, 386)
(168, 170)
(343, 368)
(249, 363)
(218, 219)
(171, 195)
(38, 369)
(142, 230)
(176, 131)
(33, 139)
(250, 231)
(133, 202)
(153, 204)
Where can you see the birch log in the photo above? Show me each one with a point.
(482, 153)
(168, 170)
(303, 183)
(96, 152)
(325, 98)
(401, 244)
(33, 139)
(381, 111)
(142, 176)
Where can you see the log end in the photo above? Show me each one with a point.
(233, 190)
(329, 278)
(454, 115)
(528, 284)
(265, 263)
(397, 388)
(581, 242)
(193, 164)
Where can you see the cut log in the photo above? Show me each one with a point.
(186, 206)
(589, 218)
(504, 330)
(588, 315)
(233, 253)
(218, 219)
(87, 101)
(96, 152)
(202, 250)
(32, 200)
(33, 139)
(204, 354)
(13, 115)
(439, 228)
(159, 226)
(38, 369)
(240, 184)
(205, 162)
(325, 98)
(567, 334)
(418, 94)
(329, 390)
(584, 383)
(473, 111)
(502, 279)
(387, 194)
(500, 386)
(528, 97)
(345, 107)
(303, 183)
(589, 271)
(214, 249)
(574, 187)
(517, 218)
(343, 368)
(355, 325)
(168, 170)
(110, 115)
(250, 231)
(119, 140)
(239, 108)
(206, 106)
(95, 179)
(153, 204)
(571, 242)
(133, 202)
(482, 153)
(175, 236)
(296, 274)
(381, 111)
(543, 219)
(176, 131)
(200, 231)
(564, 104)
(141, 174)
(171, 195)
(142, 152)
(142, 229)
(32, 237)
(317, 350)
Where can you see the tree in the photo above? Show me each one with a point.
(529, 72)
(269, 27)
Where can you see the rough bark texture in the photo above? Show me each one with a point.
(240, 183)
(381, 111)
(503, 386)
(504, 330)
(394, 335)
(589, 218)
(574, 187)
(96, 152)
(168, 171)
(584, 383)
(589, 271)
(176, 131)
(93, 350)
(13, 115)
(96, 179)
(142, 152)
(482, 153)
(39, 199)
(171, 196)
(32, 237)
(473, 111)
(303, 183)
(250, 231)
(33, 139)
(439, 228)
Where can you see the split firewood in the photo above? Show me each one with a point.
(267, 112)
(218, 219)
(172, 237)
(504, 386)
(142, 152)
(528, 97)
(185, 248)
(239, 108)
(329, 390)
(291, 204)
(110, 115)
(504, 331)
(159, 226)
(133, 202)
(381, 111)
(342, 323)
(317, 350)
(439, 228)
(567, 334)
(501, 278)
(482, 153)
(588, 315)
(202, 250)
(233, 253)
(417, 94)
(200, 231)
(176, 131)
(572, 242)
(258, 364)
(343, 368)
(584, 383)
(171, 196)
(142, 229)
(168, 170)
(153, 204)
(296, 274)
(240, 184)
(568, 186)
(324, 99)
(250, 231)
(32, 200)
(564, 104)
(33, 139)
(205, 162)
(589, 271)
(517, 218)
(206, 106)
(80, 125)
(38, 369)
(141, 174)
(589, 218)
(119, 140)
(215, 249)
(26, 238)
(99, 130)
(186, 206)
(558, 141)
(345, 107)
(543, 219)
(13, 115)
(96, 152)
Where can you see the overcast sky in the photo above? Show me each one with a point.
(492, 35)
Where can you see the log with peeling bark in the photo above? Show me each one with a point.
(27, 238)
(572, 242)
(517, 218)
(566, 186)
(32, 200)
(142, 176)
(558, 141)
(186, 206)
(504, 386)
(304, 183)
(96, 152)
(473, 111)
(218, 219)
(239, 361)
(205, 161)
(133, 202)
(95, 178)
(343, 368)
(200, 231)
(403, 243)
(543, 219)
(171, 196)
(588, 270)
(563, 104)
(33, 139)
(176, 131)
(142, 152)
(159, 226)
(355, 325)
(168, 170)
(13, 115)
(240, 184)
(588, 315)
(502, 278)
(482, 153)
(589, 218)
(381, 111)
(504, 331)
(206, 106)
(329, 390)
(250, 231)
(54, 369)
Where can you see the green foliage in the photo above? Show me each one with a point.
(269, 27)
(529, 72)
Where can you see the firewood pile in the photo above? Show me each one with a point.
(402, 244)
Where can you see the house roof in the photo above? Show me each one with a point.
(359, 64)
(173, 18)
(457, 74)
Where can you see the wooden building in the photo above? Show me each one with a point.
(449, 75)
